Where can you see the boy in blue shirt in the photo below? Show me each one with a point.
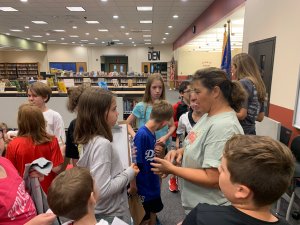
(148, 183)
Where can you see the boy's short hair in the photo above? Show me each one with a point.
(41, 89)
(69, 193)
(183, 86)
(161, 111)
(262, 164)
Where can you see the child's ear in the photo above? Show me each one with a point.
(242, 192)
(93, 198)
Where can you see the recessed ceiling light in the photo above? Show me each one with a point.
(122, 27)
(23, 0)
(115, 40)
(164, 38)
(147, 35)
(87, 33)
(92, 21)
(162, 42)
(126, 33)
(47, 34)
(103, 30)
(8, 9)
(26, 27)
(62, 39)
(74, 36)
(103, 0)
(145, 21)
(7, 33)
(92, 43)
(130, 38)
(115, 16)
(120, 43)
(170, 27)
(44, 42)
(59, 30)
(175, 16)
(64, 43)
(103, 42)
(39, 22)
(84, 40)
(134, 45)
(166, 33)
(51, 40)
(96, 38)
(74, 27)
(76, 9)
(132, 42)
(144, 8)
(16, 30)
(37, 36)
(73, 42)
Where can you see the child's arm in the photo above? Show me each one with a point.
(133, 188)
(172, 128)
(130, 120)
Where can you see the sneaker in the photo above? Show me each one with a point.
(173, 187)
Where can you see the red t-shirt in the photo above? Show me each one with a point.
(16, 205)
(22, 150)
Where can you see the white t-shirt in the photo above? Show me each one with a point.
(101, 222)
(55, 125)
(184, 125)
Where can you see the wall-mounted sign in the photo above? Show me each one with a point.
(154, 55)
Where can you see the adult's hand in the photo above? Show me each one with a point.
(162, 167)
(175, 156)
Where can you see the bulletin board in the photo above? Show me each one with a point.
(296, 117)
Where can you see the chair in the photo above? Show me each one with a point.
(295, 148)
(285, 135)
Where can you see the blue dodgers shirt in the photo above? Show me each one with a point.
(147, 182)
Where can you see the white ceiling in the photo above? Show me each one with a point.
(212, 39)
(55, 13)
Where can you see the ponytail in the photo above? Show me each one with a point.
(238, 96)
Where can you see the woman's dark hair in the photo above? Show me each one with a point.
(232, 91)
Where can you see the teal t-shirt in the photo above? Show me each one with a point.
(142, 112)
(204, 147)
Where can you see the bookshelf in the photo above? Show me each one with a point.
(13, 71)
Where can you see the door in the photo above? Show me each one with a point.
(118, 67)
(263, 53)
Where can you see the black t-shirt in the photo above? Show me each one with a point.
(204, 214)
(182, 109)
(71, 147)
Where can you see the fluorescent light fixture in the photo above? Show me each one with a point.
(37, 36)
(147, 43)
(73, 42)
(74, 27)
(96, 38)
(145, 21)
(64, 43)
(16, 30)
(51, 40)
(84, 40)
(73, 36)
(146, 35)
(44, 42)
(103, 42)
(92, 43)
(23, 0)
(122, 27)
(116, 17)
(103, 30)
(170, 27)
(162, 42)
(134, 45)
(166, 33)
(103, 0)
(144, 8)
(146, 30)
(26, 27)
(39, 22)
(132, 42)
(76, 9)
(92, 21)
(8, 9)
(59, 30)
(87, 33)
(28, 38)
(120, 43)
(147, 40)
(115, 40)
(62, 39)
(47, 34)
(164, 38)
(126, 33)
(81, 45)
(175, 16)
(130, 38)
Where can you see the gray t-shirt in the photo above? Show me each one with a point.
(253, 106)
(110, 178)
(204, 147)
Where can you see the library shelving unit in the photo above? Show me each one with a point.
(14, 71)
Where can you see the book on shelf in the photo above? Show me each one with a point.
(61, 87)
